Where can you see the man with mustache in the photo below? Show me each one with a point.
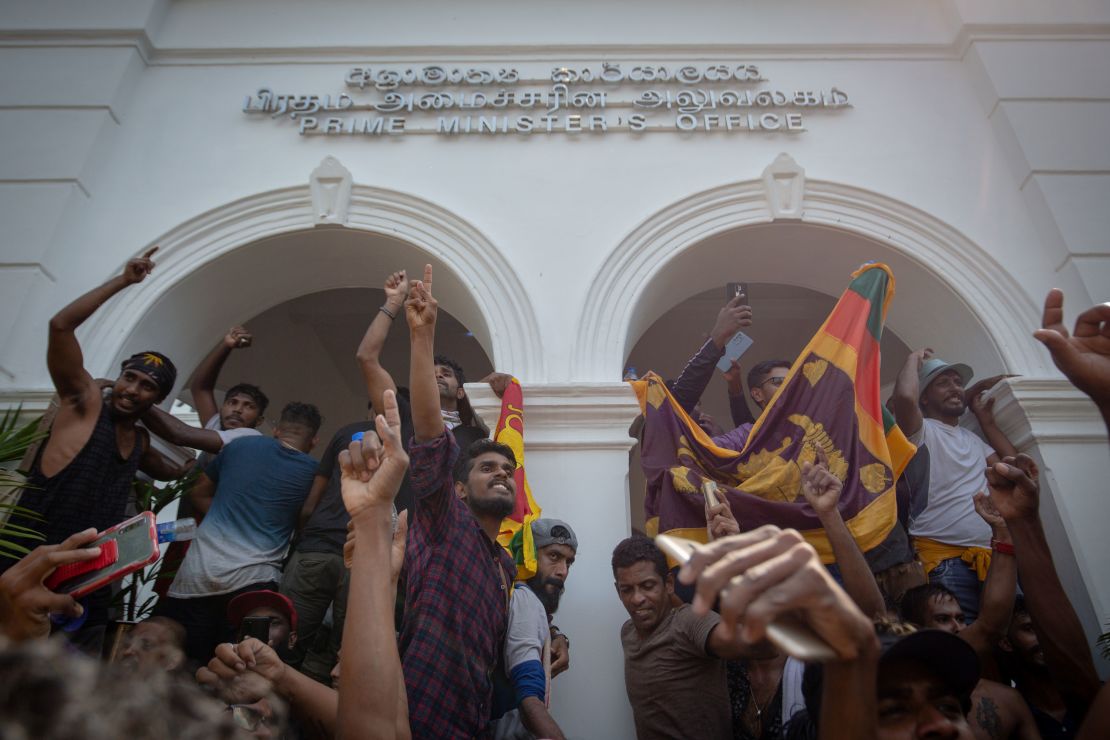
(929, 399)
(238, 416)
(83, 472)
(528, 644)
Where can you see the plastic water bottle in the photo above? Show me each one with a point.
(182, 529)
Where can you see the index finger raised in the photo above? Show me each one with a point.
(1053, 316)
(150, 252)
(428, 278)
(392, 414)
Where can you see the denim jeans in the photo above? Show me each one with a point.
(959, 578)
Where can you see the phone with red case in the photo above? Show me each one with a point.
(125, 548)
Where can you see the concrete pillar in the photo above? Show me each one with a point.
(576, 447)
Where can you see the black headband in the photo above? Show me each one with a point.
(157, 366)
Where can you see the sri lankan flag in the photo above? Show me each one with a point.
(830, 399)
(516, 529)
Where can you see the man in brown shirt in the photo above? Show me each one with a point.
(673, 670)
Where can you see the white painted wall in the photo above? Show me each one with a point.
(973, 160)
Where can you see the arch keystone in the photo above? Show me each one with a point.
(784, 182)
(330, 187)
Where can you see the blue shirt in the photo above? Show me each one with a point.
(261, 486)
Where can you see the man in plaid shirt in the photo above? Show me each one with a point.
(456, 601)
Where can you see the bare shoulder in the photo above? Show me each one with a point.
(70, 430)
(996, 710)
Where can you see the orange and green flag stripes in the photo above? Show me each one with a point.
(830, 399)
(516, 529)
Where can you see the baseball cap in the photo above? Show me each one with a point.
(553, 532)
(244, 604)
(934, 366)
(949, 657)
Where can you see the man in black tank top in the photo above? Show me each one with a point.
(83, 473)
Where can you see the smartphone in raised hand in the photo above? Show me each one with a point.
(734, 289)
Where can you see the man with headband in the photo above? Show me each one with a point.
(83, 472)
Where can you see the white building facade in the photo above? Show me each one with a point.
(585, 177)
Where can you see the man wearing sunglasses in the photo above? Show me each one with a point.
(764, 379)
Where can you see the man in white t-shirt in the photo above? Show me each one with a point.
(952, 541)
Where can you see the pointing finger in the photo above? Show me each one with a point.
(1053, 317)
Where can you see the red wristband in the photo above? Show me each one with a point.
(1003, 547)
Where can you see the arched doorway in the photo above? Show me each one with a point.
(951, 295)
(297, 293)
(947, 286)
(240, 260)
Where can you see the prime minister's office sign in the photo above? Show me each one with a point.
(459, 101)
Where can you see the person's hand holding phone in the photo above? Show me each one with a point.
(25, 603)
(735, 316)
(767, 574)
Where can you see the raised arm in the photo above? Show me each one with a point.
(173, 430)
(907, 393)
(63, 353)
(160, 467)
(822, 490)
(203, 383)
(1016, 494)
(420, 311)
(377, 379)
(737, 404)
(791, 580)
(371, 687)
(692, 381)
(984, 412)
(997, 601)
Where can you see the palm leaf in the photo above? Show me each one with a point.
(15, 440)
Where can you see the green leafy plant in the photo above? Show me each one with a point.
(15, 439)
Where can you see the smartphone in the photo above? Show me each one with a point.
(256, 627)
(788, 634)
(736, 347)
(125, 548)
(709, 490)
(734, 289)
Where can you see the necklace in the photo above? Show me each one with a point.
(758, 709)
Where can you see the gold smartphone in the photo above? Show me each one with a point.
(788, 634)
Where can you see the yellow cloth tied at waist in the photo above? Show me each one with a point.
(931, 553)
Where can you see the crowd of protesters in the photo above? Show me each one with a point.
(367, 595)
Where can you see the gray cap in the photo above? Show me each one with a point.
(934, 366)
(553, 532)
